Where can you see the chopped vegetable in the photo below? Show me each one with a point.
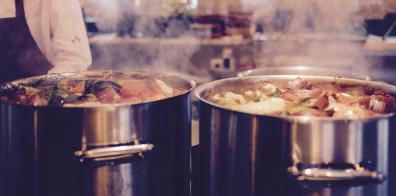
(164, 87)
(308, 98)
(90, 92)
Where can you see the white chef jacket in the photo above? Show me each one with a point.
(58, 28)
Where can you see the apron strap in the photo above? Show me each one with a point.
(20, 8)
(20, 56)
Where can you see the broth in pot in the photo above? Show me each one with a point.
(87, 90)
(306, 97)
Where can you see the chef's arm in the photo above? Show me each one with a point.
(69, 37)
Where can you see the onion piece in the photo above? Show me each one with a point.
(235, 97)
(377, 105)
(269, 106)
(229, 99)
(268, 89)
(167, 90)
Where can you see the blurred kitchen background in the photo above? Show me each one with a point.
(210, 39)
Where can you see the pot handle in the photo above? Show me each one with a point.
(112, 153)
(327, 175)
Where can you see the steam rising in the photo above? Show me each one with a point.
(312, 32)
(319, 16)
(327, 33)
(149, 52)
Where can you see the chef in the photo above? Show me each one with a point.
(40, 37)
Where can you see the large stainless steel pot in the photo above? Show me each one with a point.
(114, 150)
(246, 154)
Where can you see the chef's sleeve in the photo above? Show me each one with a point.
(69, 40)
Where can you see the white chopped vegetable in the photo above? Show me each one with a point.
(256, 95)
(263, 98)
(167, 90)
(377, 105)
(333, 106)
(235, 97)
(249, 94)
(336, 107)
(346, 95)
(269, 106)
(217, 97)
(268, 89)
(345, 111)
(355, 111)
(355, 91)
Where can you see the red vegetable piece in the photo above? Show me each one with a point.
(108, 95)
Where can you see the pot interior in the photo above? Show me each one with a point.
(207, 91)
(127, 88)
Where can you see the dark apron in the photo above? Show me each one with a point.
(20, 56)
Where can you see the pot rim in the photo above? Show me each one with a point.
(304, 70)
(192, 84)
(198, 91)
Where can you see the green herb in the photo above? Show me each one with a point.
(61, 90)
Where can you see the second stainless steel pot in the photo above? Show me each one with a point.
(246, 154)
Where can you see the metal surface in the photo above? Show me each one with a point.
(246, 154)
(38, 146)
(363, 142)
